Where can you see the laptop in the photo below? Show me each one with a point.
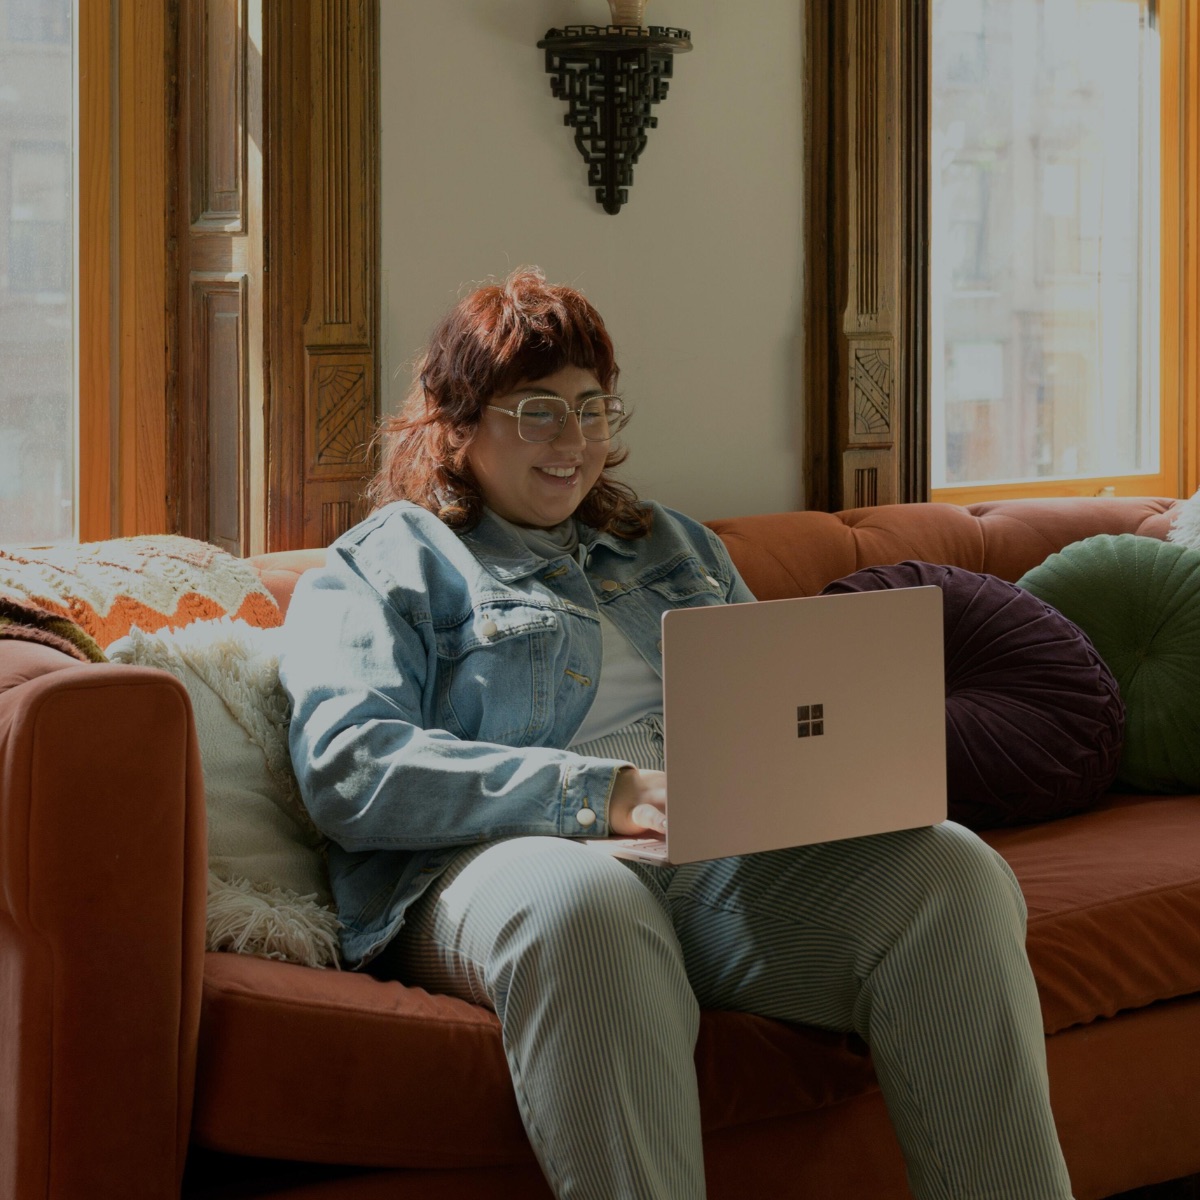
(789, 722)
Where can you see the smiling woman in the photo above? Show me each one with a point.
(540, 482)
(476, 678)
(494, 425)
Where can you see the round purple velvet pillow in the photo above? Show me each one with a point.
(1034, 719)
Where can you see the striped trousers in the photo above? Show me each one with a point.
(598, 969)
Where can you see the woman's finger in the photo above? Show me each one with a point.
(650, 817)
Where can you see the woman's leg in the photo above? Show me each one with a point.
(916, 940)
(578, 959)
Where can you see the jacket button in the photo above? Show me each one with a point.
(586, 817)
(609, 585)
(488, 628)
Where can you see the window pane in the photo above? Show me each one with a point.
(1044, 240)
(37, 272)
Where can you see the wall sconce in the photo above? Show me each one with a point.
(610, 75)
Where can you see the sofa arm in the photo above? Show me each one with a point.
(102, 894)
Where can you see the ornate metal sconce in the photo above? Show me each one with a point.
(610, 75)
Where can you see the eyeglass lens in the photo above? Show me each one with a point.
(541, 418)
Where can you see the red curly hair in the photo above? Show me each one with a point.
(495, 338)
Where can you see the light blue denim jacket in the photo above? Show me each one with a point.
(434, 678)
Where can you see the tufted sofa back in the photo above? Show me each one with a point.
(798, 553)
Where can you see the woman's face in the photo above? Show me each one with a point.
(538, 484)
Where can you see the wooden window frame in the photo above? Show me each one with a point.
(867, 70)
(124, 303)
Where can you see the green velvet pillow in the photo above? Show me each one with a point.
(1138, 600)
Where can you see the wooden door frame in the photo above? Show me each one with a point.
(321, 185)
(866, 252)
(306, 410)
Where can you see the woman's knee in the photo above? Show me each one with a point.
(954, 864)
(564, 901)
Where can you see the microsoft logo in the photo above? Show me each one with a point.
(810, 720)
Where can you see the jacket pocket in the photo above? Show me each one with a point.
(685, 583)
(492, 671)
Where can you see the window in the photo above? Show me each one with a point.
(1009, 186)
(37, 274)
(83, 279)
(1054, 151)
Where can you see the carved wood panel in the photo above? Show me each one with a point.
(866, 251)
(339, 420)
(323, 285)
(871, 386)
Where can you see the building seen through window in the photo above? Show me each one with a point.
(1044, 282)
(37, 272)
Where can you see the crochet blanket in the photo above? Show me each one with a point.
(152, 582)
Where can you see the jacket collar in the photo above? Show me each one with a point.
(507, 558)
(592, 538)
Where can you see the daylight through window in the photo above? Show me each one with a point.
(1044, 246)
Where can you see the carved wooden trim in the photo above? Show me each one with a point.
(322, 229)
(866, 250)
(339, 419)
(872, 384)
(336, 517)
(342, 237)
(867, 478)
(868, 70)
(217, 53)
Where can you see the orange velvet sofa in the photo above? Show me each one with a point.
(134, 1065)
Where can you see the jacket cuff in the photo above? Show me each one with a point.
(586, 791)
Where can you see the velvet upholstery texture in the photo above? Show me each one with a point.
(1138, 598)
(1034, 719)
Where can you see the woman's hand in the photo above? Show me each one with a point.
(638, 803)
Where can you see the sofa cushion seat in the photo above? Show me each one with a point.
(323, 1066)
(328, 1066)
(1114, 905)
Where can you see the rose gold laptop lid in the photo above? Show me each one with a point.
(790, 722)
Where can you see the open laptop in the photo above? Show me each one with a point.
(789, 722)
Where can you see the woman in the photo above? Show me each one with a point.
(477, 687)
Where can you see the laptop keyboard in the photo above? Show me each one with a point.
(653, 846)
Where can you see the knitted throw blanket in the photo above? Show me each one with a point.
(106, 588)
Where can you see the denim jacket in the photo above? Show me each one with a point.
(435, 677)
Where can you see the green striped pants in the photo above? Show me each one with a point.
(598, 969)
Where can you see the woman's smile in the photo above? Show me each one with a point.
(538, 484)
(567, 476)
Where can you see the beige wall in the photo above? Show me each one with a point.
(698, 276)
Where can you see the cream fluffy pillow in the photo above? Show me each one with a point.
(268, 893)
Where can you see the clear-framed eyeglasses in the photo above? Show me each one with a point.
(543, 418)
